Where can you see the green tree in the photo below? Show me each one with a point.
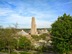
(7, 40)
(24, 43)
(62, 34)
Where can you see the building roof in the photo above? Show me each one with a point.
(23, 33)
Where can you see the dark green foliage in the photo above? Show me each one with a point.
(62, 34)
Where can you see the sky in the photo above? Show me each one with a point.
(45, 12)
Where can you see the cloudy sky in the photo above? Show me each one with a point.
(21, 12)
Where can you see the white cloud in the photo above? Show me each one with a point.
(16, 18)
(43, 24)
(25, 21)
(14, 15)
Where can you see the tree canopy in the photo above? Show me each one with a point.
(62, 34)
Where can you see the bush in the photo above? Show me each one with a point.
(24, 43)
(35, 37)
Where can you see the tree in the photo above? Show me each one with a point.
(7, 40)
(62, 34)
(24, 43)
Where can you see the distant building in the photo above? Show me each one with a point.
(43, 31)
(23, 33)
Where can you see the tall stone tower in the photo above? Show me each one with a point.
(33, 27)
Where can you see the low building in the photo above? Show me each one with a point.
(23, 33)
